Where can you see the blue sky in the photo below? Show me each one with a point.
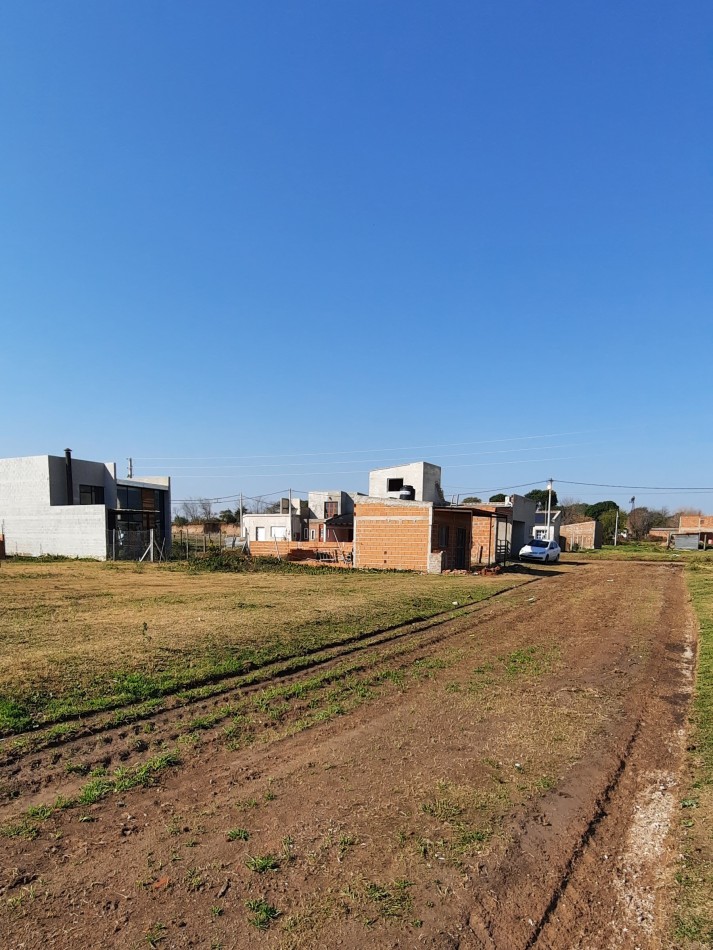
(268, 245)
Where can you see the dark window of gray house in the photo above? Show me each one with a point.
(91, 495)
(331, 508)
(394, 484)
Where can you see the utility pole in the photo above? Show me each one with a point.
(549, 508)
(131, 468)
(616, 526)
(289, 508)
(240, 515)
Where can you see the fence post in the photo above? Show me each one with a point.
(113, 545)
(151, 541)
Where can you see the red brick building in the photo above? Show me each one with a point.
(394, 534)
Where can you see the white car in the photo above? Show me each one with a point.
(538, 549)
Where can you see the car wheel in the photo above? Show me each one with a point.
(546, 559)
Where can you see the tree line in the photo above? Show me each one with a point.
(201, 510)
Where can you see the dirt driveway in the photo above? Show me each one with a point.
(504, 779)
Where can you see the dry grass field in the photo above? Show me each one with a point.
(82, 636)
(457, 781)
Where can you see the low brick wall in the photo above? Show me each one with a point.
(301, 550)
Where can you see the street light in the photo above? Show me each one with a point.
(549, 508)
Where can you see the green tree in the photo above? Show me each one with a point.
(597, 510)
(180, 521)
(497, 498)
(472, 500)
(541, 495)
(227, 516)
(641, 521)
(607, 519)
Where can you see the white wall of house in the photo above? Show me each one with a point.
(316, 500)
(33, 527)
(35, 517)
(271, 527)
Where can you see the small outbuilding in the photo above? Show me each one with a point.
(581, 536)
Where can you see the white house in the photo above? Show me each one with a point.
(51, 504)
(282, 525)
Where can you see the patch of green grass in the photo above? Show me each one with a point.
(392, 901)
(468, 838)
(20, 829)
(194, 879)
(263, 913)
(525, 660)
(693, 921)
(155, 934)
(14, 716)
(260, 863)
(94, 791)
(238, 834)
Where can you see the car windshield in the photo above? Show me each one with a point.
(536, 543)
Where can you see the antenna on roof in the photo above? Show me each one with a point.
(130, 473)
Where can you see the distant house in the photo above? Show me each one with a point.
(582, 536)
(330, 516)
(283, 525)
(500, 529)
(541, 528)
(61, 505)
(694, 532)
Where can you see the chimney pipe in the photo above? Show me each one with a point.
(68, 473)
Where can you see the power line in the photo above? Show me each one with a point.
(540, 448)
(563, 481)
(402, 448)
(362, 471)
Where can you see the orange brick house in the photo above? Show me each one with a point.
(398, 534)
(491, 532)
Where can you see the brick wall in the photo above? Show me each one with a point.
(451, 520)
(686, 522)
(392, 537)
(586, 534)
(299, 550)
(483, 544)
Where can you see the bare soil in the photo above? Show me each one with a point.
(505, 779)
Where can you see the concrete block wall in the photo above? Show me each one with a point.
(423, 476)
(392, 536)
(33, 527)
(67, 530)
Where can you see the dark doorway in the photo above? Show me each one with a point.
(461, 538)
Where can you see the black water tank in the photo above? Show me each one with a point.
(407, 493)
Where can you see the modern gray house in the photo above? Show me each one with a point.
(54, 504)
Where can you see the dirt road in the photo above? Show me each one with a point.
(504, 779)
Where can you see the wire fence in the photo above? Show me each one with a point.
(125, 545)
(189, 544)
